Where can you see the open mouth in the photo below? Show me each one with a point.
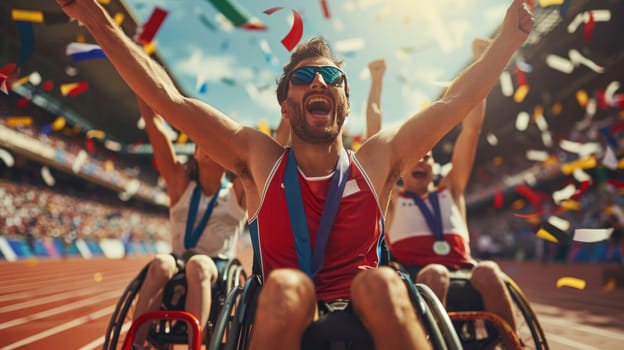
(318, 106)
(419, 174)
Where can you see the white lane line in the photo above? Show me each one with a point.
(60, 309)
(60, 328)
(55, 297)
(97, 344)
(569, 342)
(62, 287)
(579, 327)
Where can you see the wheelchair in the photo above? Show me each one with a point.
(479, 329)
(169, 326)
(336, 330)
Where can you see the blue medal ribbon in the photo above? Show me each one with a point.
(191, 235)
(311, 261)
(434, 220)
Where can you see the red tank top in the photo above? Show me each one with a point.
(354, 240)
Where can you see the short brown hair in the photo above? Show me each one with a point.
(315, 47)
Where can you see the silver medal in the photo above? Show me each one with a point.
(441, 247)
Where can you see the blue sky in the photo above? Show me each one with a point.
(424, 43)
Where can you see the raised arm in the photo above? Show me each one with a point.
(387, 153)
(171, 170)
(227, 141)
(374, 114)
(465, 147)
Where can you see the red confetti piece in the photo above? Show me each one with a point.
(149, 29)
(90, 146)
(325, 8)
(580, 190)
(589, 28)
(498, 199)
(520, 77)
(47, 85)
(296, 31)
(80, 88)
(23, 102)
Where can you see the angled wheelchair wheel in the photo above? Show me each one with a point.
(167, 332)
(440, 317)
(528, 328)
(478, 329)
(119, 320)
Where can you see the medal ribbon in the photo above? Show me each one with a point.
(434, 220)
(310, 261)
(191, 235)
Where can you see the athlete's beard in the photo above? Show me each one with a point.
(306, 133)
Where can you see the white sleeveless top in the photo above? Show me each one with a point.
(221, 233)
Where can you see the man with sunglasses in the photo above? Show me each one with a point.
(315, 209)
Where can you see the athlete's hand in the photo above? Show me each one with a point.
(517, 23)
(377, 68)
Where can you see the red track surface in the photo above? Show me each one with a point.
(66, 304)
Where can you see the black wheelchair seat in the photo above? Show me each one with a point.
(337, 330)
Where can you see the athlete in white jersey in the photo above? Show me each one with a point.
(426, 225)
(203, 227)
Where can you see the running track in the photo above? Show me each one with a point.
(66, 304)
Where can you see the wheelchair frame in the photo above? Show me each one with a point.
(528, 335)
(235, 321)
(231, 278)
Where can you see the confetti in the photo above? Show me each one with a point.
(522, 121)
(555, 229)
(572, 282)
(7, 158)
(148, 31)
(590, 235)
(610, 285)
(82, 52)
(559, 63)
(296, 31)
(536, 155)
(325, 9)
(27, 42)
(237, 15)
(47, 176)
(98, 277)
(506, 84)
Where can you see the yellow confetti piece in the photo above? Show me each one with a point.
(570, 205)
(424, 104)
(97, 134)
(620, 163)
(521, 92)
(557, 108)
(498, 161)
(182, 138)
(66, 88)
(610, 285)
(58, 124)
(19, 121)
(546, 3)
(20, 81)
(27, 16)
(150, 47)
(263, 126)
(109, 165)
(98, 277)
(31, 262)
(517, 204)
(104, 2)
(552, 160)
(80, 38)
(543, 234)
(539, 110)
(582, 98)
(571, 282)
(119, 18)
(585, 163)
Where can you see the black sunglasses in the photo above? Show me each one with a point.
(304, 75)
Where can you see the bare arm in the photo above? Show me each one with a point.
(387, 153)
(171, 170)
(465, 147)
(377, 69)
(227, 142)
